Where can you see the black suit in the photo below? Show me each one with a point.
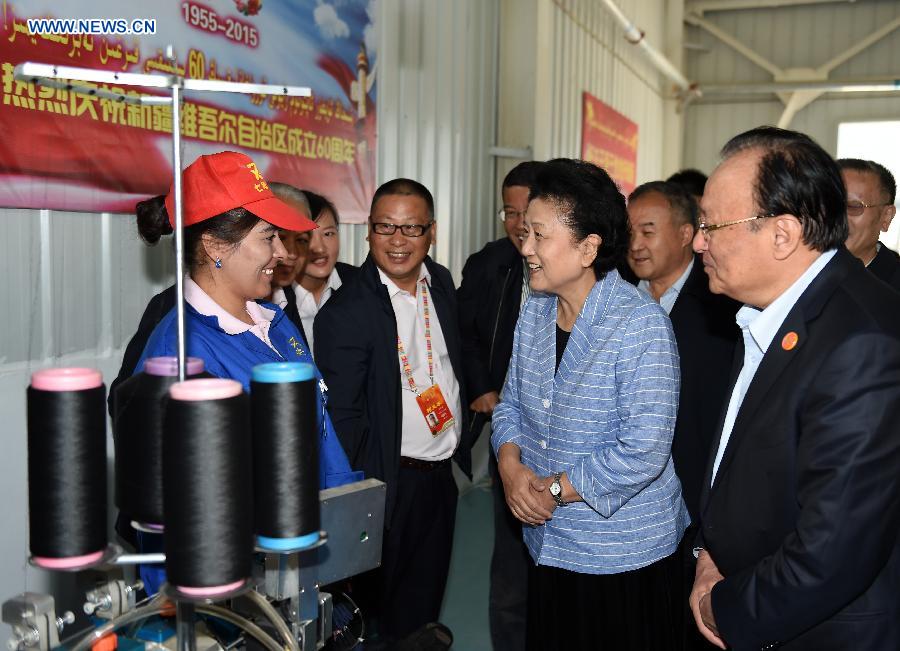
(489, 298)
(356, 350)
(706, 334)
(886, 266)
(804, 515)
(346, 272)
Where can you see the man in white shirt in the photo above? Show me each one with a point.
(389, 348)
(801, 502)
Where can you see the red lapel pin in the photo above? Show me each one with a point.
(790, 340)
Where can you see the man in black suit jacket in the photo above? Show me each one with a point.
(871, 192)
(400, 298)
(493, 288)
(801, 506)
(663, 217)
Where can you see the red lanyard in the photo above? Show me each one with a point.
(404, 360)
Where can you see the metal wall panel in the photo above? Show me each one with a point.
(802, 36)
(590, 54)
(436, 105)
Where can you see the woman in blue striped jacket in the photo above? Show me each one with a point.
(583, 431)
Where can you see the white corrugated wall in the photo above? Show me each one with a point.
(588, 52)
(436, 106)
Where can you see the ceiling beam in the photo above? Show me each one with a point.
(701, 6)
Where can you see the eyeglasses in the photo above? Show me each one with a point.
(705, 229)
(504, 214)
(856, 208)
(409, 230)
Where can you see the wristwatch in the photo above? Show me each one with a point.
(556, 490)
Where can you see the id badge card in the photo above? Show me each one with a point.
(435, 410)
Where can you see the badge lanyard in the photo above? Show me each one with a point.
(404, 359)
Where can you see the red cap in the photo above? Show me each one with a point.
(217, 183)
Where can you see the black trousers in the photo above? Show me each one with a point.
(508, 600)
(629, 611)
(406, 592)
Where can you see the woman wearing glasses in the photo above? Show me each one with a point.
(583, 431)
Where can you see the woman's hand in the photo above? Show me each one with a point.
(526, 504)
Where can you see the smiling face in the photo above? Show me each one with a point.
(248, 266)
(556, 262)
(296, 246)
(398, 255)
(864, 188)
(515, 202)
(660, 246)
(324, 246)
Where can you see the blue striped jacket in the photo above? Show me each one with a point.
(606, 418)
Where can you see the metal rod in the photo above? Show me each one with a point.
(136, 559)
(184, 626)
(861, 86)
(43, 73)
(179, 231)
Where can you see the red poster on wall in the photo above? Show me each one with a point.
(610, 140)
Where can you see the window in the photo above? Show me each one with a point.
(877, 141)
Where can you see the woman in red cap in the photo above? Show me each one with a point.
(231, 248)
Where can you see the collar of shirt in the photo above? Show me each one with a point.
(306, 302)
(204, 304)
(279, 298)
(392, 288)
(668, 298)
(764, 324)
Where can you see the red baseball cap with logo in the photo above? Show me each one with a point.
(216, 183)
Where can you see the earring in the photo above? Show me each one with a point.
(218, 263)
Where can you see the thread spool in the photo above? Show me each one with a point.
(67, 468)
(284, 410)
(207, 487)
(138, 408)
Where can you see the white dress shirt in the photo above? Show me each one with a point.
(759, 328)
(308, 308)
(668, 298)
(416, 438)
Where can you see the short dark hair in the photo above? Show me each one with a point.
(692, 180)
(403, 187)
(587, 202)
(797, 177)
(681, 202)
(522, 174)
(883, 174)
(319, 204)
(230, 227)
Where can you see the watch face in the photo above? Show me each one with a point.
(555, 488)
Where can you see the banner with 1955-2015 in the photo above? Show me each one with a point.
(68, 151)
(609, 140)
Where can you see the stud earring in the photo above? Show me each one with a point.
(218, 263)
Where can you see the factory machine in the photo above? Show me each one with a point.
(284, 604)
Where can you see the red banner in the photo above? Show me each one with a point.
(610, 140)
(68, 151)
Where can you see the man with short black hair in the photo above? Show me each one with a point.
(801, 502)
(871, 191)
(389, 349)
(692, 180)
(494, 287)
